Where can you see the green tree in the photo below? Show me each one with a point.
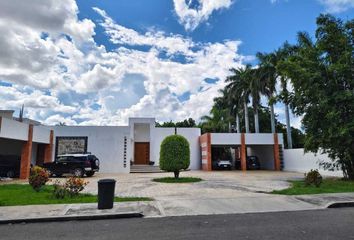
(217, 121)
(269, 74)
(322, 74)
(238, 85)
(174, 154)
(187, 123)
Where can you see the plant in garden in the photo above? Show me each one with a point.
(174, 154)
(321, 74)
(59, 190)
(313, 178)
(38, 177)
(74, 185)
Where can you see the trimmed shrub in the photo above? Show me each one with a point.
(174, 154)
(313, 177)
(38, 177)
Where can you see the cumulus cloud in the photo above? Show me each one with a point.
(190, 17)
(337, 6)
(51, 63)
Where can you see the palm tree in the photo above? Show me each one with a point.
(269, 75)
(223, 102)
(217, 121)
(256, 88)
(283, 54)
(238, 87)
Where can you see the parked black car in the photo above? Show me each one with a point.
(10, 166)
(252, 163)
(76, 164)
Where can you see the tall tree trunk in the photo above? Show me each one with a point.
(237, 123)
(256, 120)
(176, 173)
(229, 127)
(246, 118)
(272, 118)
(288, 128)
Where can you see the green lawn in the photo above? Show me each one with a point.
(329, 185)
(177, 180)
(23, 194)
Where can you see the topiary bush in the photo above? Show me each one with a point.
(174, 154)
(313, 177)
(38, 177)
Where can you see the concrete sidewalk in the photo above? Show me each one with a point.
(86, 211)
(179, 207)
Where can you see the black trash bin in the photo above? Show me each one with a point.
(106, 193)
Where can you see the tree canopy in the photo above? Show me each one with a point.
(322, 75)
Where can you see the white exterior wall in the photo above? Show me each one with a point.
(225, 139)
(157, 136)
(192, 135)
(107, 143)
(13, 129)
(41, 134)
(250, 139)
(298, 161)
(141, 132)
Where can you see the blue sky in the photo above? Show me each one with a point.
(260, 24)
(98, 62)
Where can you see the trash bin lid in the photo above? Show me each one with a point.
(106, 181)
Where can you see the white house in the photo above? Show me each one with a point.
(122, 148)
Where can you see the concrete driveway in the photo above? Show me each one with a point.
(221, 192)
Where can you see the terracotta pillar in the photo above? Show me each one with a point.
(26, 155)
(48, 149)
(205, 145)
(243, 152)
(276, 153)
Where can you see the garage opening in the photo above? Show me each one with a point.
(10, 157)
(225, 157)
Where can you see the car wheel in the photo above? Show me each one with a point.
(10, 174)
(90, 173)
(78, 172)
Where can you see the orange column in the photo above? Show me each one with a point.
(26, 155)
(48, 150)
(243, 152)
(205, 146)
(276, 153)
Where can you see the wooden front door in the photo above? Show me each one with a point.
(142, 153)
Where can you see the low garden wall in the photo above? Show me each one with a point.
(298, 161)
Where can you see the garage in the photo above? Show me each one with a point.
(23, 145)
(240, 151)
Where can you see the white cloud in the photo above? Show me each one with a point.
(332, 6)
(61, 75)
(337, 6)
(190, 17)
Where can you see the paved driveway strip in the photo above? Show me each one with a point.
(218, 193)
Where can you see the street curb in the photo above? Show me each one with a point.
(341, 204)
(74, 218)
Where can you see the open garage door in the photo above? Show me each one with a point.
(10, 157)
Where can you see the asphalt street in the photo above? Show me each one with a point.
(317, 224)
